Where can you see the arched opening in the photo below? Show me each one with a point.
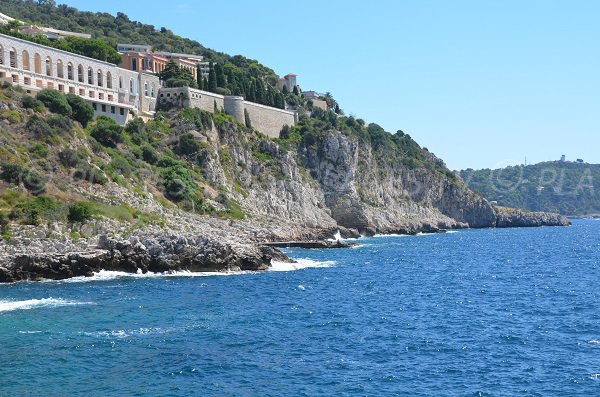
(152, 91)
(120, 82)
(25, 61)
(60, 70)
(131, 86)
(146, 88)
(37, 63)
(90, 76)
(12, 55)
(70, 71)
(99, 79)
(48, 66)
(80, 73)
(108, 80)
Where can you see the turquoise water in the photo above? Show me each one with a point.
(472, 313)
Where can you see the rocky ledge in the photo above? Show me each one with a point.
(510, 217)
(148, 254)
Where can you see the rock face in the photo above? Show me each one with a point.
(142, 254)
(510, 217)
(308, 191)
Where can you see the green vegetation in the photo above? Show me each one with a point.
(107, 131)
(93, 48)
(568, 188)
(82, 110)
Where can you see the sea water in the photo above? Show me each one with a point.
(473, 313)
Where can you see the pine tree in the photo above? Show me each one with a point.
(337, 108)
(212, 78)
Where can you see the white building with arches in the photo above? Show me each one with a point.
(112, 91)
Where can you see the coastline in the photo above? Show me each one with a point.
(196, 244)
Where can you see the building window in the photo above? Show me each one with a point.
(59, 69)
(90, 76)
(122, 111)
(103, 108)
(70, 71)
(100, 95)
(80, 73)
(131, 86)
(12, 55)
(25, 60)
(134, 64)
(91, 94)
(108, 80)
(146, 88)
(94, 106)
(99, 79)
(27, 81)
(48, 66)
(112, 109)
(110, 98)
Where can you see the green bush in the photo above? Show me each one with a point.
(38, 126)
(60, 122)
(30, 102)
(35, 209)
(55, 102)
(68, 158)
(12, 173)
(188, 144)
(107, 131)
(82, 110)
(12, 116)
(149, 154)
(34, 182)
(80, 211)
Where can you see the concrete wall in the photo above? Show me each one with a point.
(35, 67)
(185, 97)
(265, 119)
(269, 120)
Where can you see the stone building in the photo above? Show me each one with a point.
(288, 81)
(136, 57)
(115, 92)
(265, 119)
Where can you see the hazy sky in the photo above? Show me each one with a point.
(480, 83)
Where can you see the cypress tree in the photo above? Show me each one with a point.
(200, 80)
(296, 92)
(220, 75)
(252, 92)
(205, 83)
(285, 89)
(212, 78)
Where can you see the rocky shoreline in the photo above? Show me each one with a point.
(230, 247)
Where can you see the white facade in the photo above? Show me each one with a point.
(113, 91)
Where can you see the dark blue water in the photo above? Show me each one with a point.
(473, 313)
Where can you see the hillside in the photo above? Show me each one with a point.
(568, 188)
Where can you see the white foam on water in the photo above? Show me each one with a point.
(129, 333)
(451, 231)
(300, 264)
(108, 275)
(595, 376)
(8, 305)
(594, 342)
(390, 235)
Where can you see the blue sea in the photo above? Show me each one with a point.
(509, 312)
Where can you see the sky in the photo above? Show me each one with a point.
(482, 84)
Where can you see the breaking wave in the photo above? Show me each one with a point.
(300, 264)
(8, 305)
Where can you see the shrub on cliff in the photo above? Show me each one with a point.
(107, 131)
(80, 211)
(38, 126)
(55, 101)
(30, 102)
(82, 110)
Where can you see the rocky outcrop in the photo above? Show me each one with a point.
(158, 253)
(510, 217)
